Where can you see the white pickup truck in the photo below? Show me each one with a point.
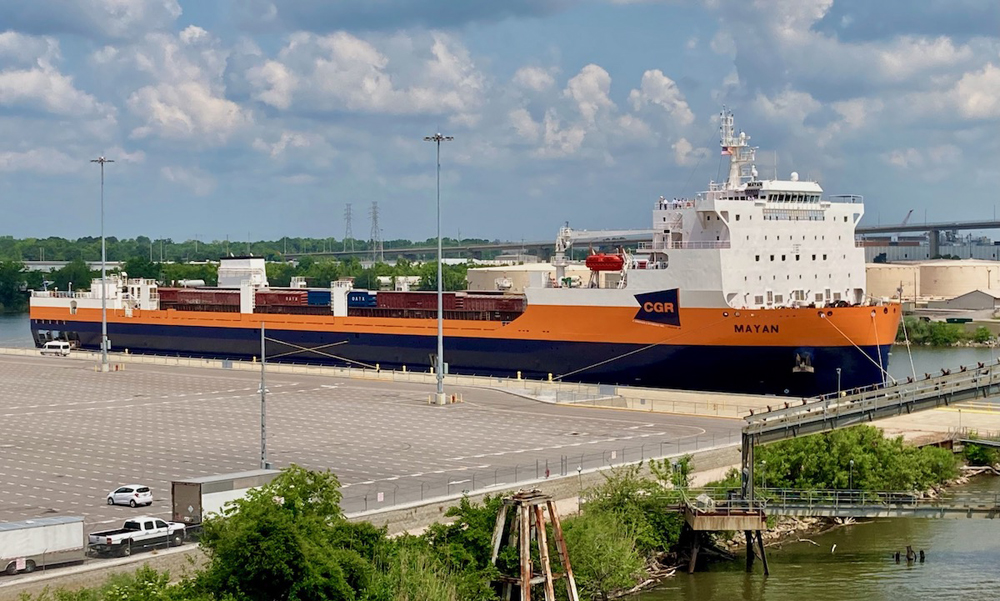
(136, 534)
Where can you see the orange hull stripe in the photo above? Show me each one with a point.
(863, 326)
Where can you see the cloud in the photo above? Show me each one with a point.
(196, 180)
(38, 84)
(686, 154)
(589, 89)
(533, 78)
(287, 140)
(977, 94)
(38, 160)
(658, 89)
(340, 71)
(90, 18)
(186, 98)
(524, 125)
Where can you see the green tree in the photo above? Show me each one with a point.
(76, 273)
(823, 461)
(604, 555)
(142, 267)
(639, 504)
(13, 285)
(285, 541)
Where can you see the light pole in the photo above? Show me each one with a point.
(763, 475)
(838, 382)
(263, 402)
(439, 370)
(850, 477)
(104, 274)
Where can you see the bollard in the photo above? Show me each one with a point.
(404, 369)
(378, 368)
(253, 359)
(518, 374)
(550, 376)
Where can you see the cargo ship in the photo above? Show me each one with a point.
(754, 286)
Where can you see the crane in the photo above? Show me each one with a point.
(907, 218)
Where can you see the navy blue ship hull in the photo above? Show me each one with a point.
(742, 369)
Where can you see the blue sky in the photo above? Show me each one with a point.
(265, 117)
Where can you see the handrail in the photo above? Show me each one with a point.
(874, 398)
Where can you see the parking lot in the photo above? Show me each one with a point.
(70, 435)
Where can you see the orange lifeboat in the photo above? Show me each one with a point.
(602, 262)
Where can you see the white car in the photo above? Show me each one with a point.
(131, 495)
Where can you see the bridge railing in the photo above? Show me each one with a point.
(777, 498)
(873, 399)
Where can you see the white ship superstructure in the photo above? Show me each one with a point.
(749, 242)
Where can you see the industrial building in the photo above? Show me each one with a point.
(934, 279)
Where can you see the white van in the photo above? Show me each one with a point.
(56, 347)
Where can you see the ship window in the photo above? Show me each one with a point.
(758, 300)
(824, 257)
(814, 257)
(796, 257)
(758, 258)
(772, 257)
(737, 217)
(782, 257)
(778, 298)
(845, 218)
(819, 297)
(709, 217)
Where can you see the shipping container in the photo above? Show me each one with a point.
(41, 542)
(287, 298)
(362, 298)
(196, 499)
(321, 297)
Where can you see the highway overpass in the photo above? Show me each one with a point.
(544, 248)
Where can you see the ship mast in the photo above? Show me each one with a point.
(741, 154)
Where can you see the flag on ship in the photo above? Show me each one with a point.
(726, 151)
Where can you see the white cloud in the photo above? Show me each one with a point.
(685, 154)
(340, 71)
(187, 97)
(658, 89)
(198, 181)
(526, 127)
(977, 94)
(559, 141)
(589, 89)
(38, 160)
(534, 78)
(274, 84)
(288, 139)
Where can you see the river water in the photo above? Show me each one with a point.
(962, 557)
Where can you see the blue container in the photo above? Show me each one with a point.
(319, 297)
(361, 298)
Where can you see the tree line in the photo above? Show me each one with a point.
(88, 248)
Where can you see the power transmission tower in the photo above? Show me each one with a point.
(378, 254)
(348, 234)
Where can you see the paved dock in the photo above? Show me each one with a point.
(70, 435)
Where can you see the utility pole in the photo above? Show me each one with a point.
(104, 274)
(437, 139)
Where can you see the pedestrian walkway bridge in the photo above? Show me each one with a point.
(713, 508)
(833, 411)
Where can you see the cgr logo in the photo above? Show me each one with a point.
(660, 307)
